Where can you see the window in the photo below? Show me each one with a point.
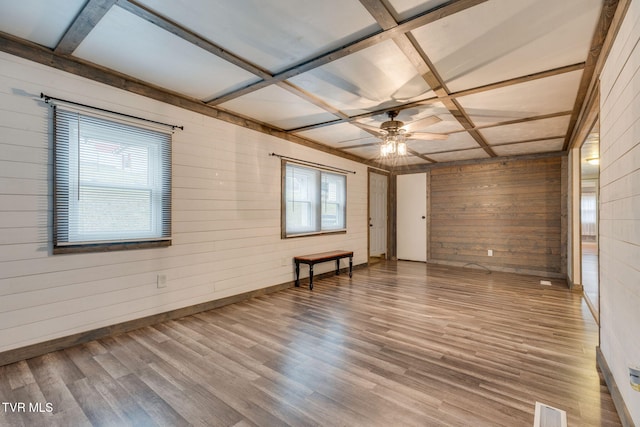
(588, 212)
(314, 201)
(112, 183)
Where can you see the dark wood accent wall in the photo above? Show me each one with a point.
(512, 207)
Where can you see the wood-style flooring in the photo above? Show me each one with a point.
(399, 344)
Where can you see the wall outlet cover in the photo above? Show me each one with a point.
(162, 281)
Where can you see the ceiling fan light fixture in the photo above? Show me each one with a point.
(393, 144)
(394, 134)
(402, 148)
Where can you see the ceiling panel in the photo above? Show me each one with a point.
(409, 8)
(547, 146)
(42, 22)
(368, 152)
(124, 42)
(339, 134)
(279, 108)
(365, 142)
(455, 141)
(452, 156)
(534, 98)
(274, 34)
(503, 39)
(376, 78)
(527, 131)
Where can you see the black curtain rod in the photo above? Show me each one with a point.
(312, 163)
(47, 98)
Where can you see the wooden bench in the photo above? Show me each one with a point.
(313, 259)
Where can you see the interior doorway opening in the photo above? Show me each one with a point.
(589, 214)
(378, 216)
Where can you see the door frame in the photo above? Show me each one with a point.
(591, 114)
(427, 211)
(595, 309)
(388, 175)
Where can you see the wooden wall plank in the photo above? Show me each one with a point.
(511, 207)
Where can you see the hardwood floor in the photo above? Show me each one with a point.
(399, 344)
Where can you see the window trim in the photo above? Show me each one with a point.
(163, 161)
(283, 202)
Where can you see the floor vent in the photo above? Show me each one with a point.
(545, 282)
(548, 416)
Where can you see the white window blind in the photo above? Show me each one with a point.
(112, 180)
(314, 199)
(333, 198)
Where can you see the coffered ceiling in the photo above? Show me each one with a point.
(503, 77)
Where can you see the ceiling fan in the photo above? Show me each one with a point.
(394, 133)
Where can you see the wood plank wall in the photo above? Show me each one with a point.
(226, 216)
(511, 207)
(619, 228)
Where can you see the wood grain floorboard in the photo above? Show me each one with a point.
(400, 343)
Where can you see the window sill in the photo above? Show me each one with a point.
(318, 233)
(109, 247)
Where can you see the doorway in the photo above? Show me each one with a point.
(411, 217)
(589, 202)
(378, 191)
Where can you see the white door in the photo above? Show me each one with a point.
(412, 217)
(377, 214)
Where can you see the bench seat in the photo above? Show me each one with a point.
(313, 259)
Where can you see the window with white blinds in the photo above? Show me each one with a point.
(112, 181)
(314, 201)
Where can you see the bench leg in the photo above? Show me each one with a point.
(311, 277)
(350, 266)
(338, 267)
(297, 274)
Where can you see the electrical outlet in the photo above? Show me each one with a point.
(162, 281)
(490, 252)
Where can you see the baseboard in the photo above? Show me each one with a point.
(524, 271)
(621, 408)
(575, 287)
(34, 350)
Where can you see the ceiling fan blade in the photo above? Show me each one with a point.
(422, 123)
(427, 136)
(368, 128)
